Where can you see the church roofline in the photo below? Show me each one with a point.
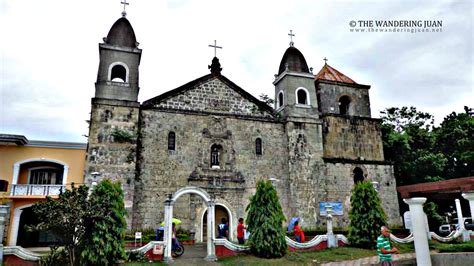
(194, 83)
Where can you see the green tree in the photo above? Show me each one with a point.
(409, 143)
(64, 217)
(434, 219)
(454, 138)
(366, 215)
(104, 236)
(265, 222)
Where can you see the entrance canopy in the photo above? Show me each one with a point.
(457, 185)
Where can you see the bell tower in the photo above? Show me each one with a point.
(113, 129)
(297, 105)
(117, 78)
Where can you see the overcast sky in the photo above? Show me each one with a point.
(49, 52)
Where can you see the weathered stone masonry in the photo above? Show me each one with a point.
(309, 149)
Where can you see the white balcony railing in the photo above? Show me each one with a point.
(37, 190)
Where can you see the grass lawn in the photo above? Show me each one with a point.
(298, 258)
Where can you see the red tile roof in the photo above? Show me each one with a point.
(330, 73)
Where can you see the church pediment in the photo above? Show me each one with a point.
(211, 94)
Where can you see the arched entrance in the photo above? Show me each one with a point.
(27, 238)
(210, 220)
(221, 211)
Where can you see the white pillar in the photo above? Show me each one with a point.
(65, 173)
(459, 213)
(211, 250)
(470, 197)
(332, 242)
(16, 173)
(15, 226)
(419, 231)
(168, 230)
(466, 236)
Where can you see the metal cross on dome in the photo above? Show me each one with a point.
(291, 37)
(215, 47)
(325, 60)
(124, 3)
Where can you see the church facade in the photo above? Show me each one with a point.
(314, 143)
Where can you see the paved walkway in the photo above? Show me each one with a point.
(194, 255)
(374, 260)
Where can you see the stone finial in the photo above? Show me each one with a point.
(215, 67)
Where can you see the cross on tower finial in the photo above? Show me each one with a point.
(124, 3)
(291, 37)
(325, 60)
(215, 47)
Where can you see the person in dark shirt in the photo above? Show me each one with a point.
(223, 229)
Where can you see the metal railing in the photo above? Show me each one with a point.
(37, 190)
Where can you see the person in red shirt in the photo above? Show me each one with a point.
(297, 232)
(240, 231)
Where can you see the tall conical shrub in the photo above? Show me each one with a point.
(104, 237)
(265, 222)
(366, 216)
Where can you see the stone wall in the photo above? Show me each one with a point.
(212, 96)
(352, 138)
(336, 182)
(105, 154)
(330, 92)
(162, 172)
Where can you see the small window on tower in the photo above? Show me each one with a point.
(280, 99)
(302, 96)
(119, 74)
(344, 105)
(258, 146)
(171, 141)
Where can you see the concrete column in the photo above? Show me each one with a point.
(65, 173)
(419, 231)
(211, 250)
(470, 197)
(15, 226)
(168, 230)
(16, 173)
(3, 214)
(466, 237)
(332, 242)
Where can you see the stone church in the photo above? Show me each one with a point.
(314, 143)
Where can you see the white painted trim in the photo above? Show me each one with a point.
(186, 190)
(16, 168)
(127, 71)
(308, 98)
(16, 224)
(231, 222)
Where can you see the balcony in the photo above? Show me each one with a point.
(37, 190)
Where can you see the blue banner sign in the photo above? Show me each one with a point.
(336, 207)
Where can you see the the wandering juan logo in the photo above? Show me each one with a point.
(411, 26)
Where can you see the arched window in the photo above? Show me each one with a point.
(216, 151)
(358, 175)
(118, 72)
(171, 141)
(302, 96)
(344, 105)
(3, 185)
(280, 99)
(258, 146)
